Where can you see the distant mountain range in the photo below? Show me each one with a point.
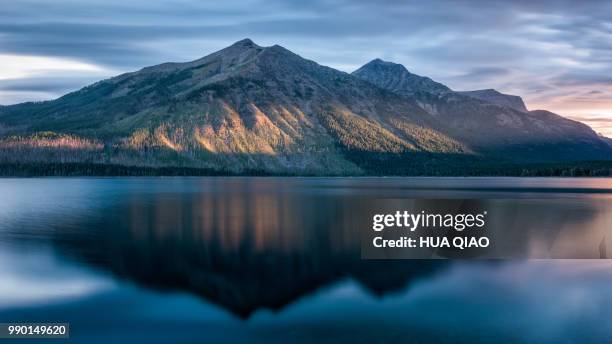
(251, 108)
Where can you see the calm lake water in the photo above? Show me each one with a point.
(277, 260)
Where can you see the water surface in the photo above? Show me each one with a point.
(278, 259)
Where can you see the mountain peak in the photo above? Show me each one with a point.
(246, 43)
(491, 90)
(241, 47)
(382, 64)
(279, 49)
(395, 77)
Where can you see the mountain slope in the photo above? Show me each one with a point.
(490, 129)
(244, 107)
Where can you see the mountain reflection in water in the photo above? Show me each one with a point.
(257, 244)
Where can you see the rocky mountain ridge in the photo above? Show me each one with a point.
(249, 107)
(495, 97)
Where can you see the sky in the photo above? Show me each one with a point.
(557, 55)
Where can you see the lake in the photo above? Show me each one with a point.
(277, 260)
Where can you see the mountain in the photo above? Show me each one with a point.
(244, 107)
(397, 78)
(248, 108)
(494, 97)
(491, 129)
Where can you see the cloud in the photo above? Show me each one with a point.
(31, 78)
(22, 66)
(552, 53)
(591, 118)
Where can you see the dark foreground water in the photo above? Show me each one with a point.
(277, 260)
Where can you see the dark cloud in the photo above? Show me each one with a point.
(541, 50)
(481, 75)
(126, 33)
